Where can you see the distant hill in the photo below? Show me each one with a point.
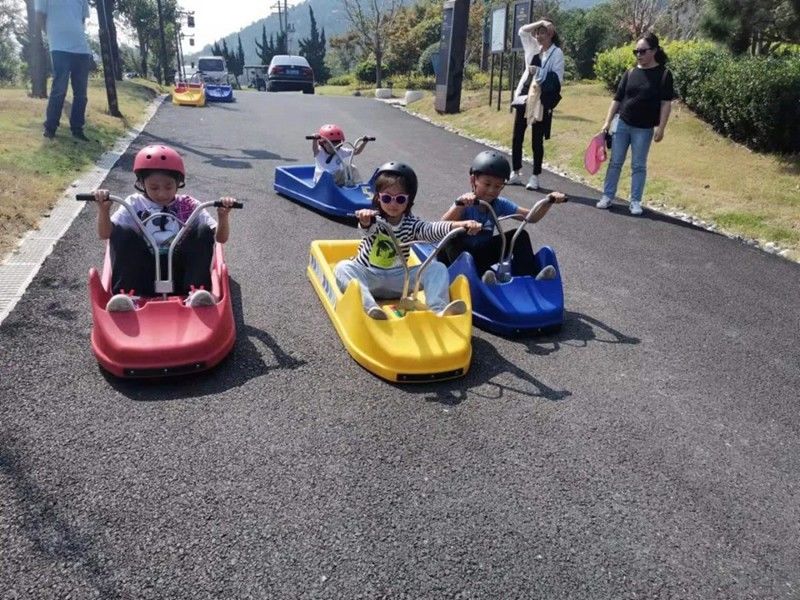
(329, 15)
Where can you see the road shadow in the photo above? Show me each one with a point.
(578, 331)
(255, 353)
(50, 534)
(487, 363)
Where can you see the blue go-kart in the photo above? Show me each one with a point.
(516, 304)
(297, 183)
(218, 92)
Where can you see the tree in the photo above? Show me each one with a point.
(344, 52)
(34, 53)
(681, 20)
(9, 63)
(754, 26)
(371, 21)
(414, 28)
(637, 17)
(584, 33)
(236, 64)
(313, 48)
(266, 49)
(142, 16)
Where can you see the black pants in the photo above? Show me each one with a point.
(523, 262)
(133, 266)
(538, 130)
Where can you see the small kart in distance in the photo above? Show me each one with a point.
(297, 183)
(516, 304)
(219, 92)
(413, 345)
(190, 92)
(162, 336)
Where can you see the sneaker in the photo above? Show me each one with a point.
(121, 303)
(515, 179)
(79, 135)
(533, 183)
(377, 313)
(456, 307)
(199, 298)
(635, 207)
(48, 134)
(604, 202)
(549, 272)
(489, 278)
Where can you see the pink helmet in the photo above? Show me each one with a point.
(331, 132)
(162, 158)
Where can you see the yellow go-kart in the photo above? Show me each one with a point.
(413, 344)
(189, 93)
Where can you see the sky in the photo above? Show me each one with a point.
(215, 19)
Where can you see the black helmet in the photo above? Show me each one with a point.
(491, 162)
(403, 170)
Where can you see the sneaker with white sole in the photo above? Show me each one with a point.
(121, 303)
(489, 278)
(549, 272)
(604, 202)
(199, 298)
(515, 179)
(533, 183)
(377, 313)
(456, 307)
(635, 207)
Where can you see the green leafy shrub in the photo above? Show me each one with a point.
(365, 70)
(425, 65)
(414, 81)
(475, 79)
(343, 80)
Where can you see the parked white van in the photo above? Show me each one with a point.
(213, 69)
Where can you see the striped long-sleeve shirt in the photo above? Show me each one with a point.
(377, 250)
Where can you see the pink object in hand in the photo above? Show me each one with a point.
(595, 154)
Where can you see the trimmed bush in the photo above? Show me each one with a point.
(365, 71)
(425, 65)
(753, 100)
(414, 81)
(343, 80)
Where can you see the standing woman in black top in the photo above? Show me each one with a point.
(545, 65)
(643, 101)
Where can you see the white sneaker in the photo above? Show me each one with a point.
(549, 272)
(456, 307)
(515, 179)
(635, 207)
(377, 313)
(489, 278)
(199, 298)
(533, 183)
(604, 202)
(120, 303)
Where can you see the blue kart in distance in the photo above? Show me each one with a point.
(297, 183)
(516, 304)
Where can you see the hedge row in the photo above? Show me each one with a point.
(753, 100)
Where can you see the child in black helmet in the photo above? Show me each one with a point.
(488, 175)
(377, 265)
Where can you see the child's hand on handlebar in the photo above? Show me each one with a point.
(472, 227)
(102, 199)
(365, 216)
(557, 197)
(225, 209)
(468, 199)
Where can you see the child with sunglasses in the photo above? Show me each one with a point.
(377, 265)
(488, 175)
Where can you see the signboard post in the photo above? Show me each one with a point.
(451, 56)
(498, 47)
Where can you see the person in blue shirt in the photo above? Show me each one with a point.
(63, 21)
(488, 175)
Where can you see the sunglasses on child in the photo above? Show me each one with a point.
(399, 198)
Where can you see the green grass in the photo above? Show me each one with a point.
(693, 169)
(34, 171)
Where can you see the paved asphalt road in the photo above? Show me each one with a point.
(649, 450)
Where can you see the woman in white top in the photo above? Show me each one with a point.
(533, 96)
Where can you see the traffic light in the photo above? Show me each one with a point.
(190, 21)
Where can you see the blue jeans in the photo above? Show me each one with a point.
(388, 283)
(66, 65)
(639, 140)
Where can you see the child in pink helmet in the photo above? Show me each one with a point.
(159, 174)
(331, 156)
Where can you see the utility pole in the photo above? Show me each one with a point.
(163, 78)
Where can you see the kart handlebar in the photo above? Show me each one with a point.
(84, 197)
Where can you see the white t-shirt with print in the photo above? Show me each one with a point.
(333, 164)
